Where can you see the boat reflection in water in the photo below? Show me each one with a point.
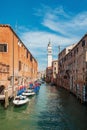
(50, 109)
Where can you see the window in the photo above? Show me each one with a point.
(26, 53)
(86, 65)
(19, 65)
(69, 50)
(54, 68)
(49, 51)
(3, 47)
(83, 43)
(30, 57)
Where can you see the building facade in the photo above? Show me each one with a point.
(73, 69)
(42, 74)
(55, 71)
(49, 72)
(61, 65)
(17, 65)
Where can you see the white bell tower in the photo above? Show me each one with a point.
(49, 49)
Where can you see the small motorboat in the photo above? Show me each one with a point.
(28, 93)
(20, 100)
(29, 90)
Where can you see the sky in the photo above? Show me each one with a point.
(36, 22)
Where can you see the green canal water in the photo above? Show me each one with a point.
(50, 109)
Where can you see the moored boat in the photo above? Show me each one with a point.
(20, 100)
(28, 93)
(29, 90)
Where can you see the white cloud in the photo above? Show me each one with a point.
(37, 44)
(66, 25)
(63, 29)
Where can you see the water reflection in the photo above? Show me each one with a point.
(53, 117)
(50, 109)
(19, 109)
(63, 112)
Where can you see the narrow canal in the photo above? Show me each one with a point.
(50, 109)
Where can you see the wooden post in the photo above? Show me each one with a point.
(6, 99)
(15, 92)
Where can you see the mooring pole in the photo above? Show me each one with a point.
(6, 99)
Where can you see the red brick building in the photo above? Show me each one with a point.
(17, 65)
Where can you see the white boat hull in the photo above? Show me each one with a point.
(29, 90)
(28, 93)
(19, 102)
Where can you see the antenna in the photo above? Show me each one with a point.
(16, 26)
(49, 41)
(59, 48)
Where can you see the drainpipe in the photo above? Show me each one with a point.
(13, 65)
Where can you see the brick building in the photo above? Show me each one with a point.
(62, 67)
(54, 72)
(49, 72)
(73, 69)
(17, 65)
